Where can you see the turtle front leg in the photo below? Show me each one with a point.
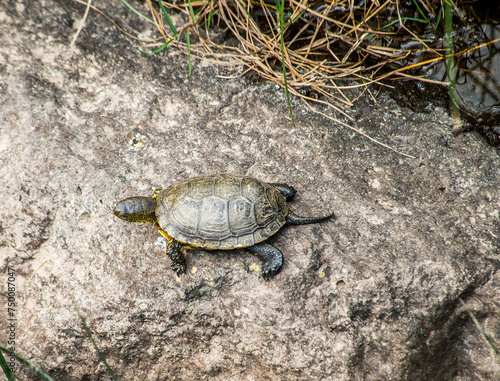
(174, 253)
(271, 257)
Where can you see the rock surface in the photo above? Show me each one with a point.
(374, 295)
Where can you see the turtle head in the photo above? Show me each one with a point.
(136, 209)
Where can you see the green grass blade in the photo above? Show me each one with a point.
(99, 353)
(5, 367)
(159, 49)
(451, 70)
(287, 23)
(188, 41)
(244, 9)
(438, 18)
(189, 52)
(396, 21)
(291, 21)
(209, 17)
(280, 7)
(421, 12)
(137, 12)
(191, 11)
(26, 363)
(167, 18)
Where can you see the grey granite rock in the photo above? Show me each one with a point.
(373, 295)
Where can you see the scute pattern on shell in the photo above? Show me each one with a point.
(221, 211)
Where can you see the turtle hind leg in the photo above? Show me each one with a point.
(174, 253)
(293, 219)
(271, 257)
(286, 190)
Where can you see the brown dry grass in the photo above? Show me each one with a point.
(330, 46)
(324, 47)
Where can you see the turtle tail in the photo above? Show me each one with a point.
(293, 219)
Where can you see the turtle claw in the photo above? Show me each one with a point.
(174, 253)
(267, 275)
(269, 272)
(272, 258)
(177, 269)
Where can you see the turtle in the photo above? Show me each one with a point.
(218, 212)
